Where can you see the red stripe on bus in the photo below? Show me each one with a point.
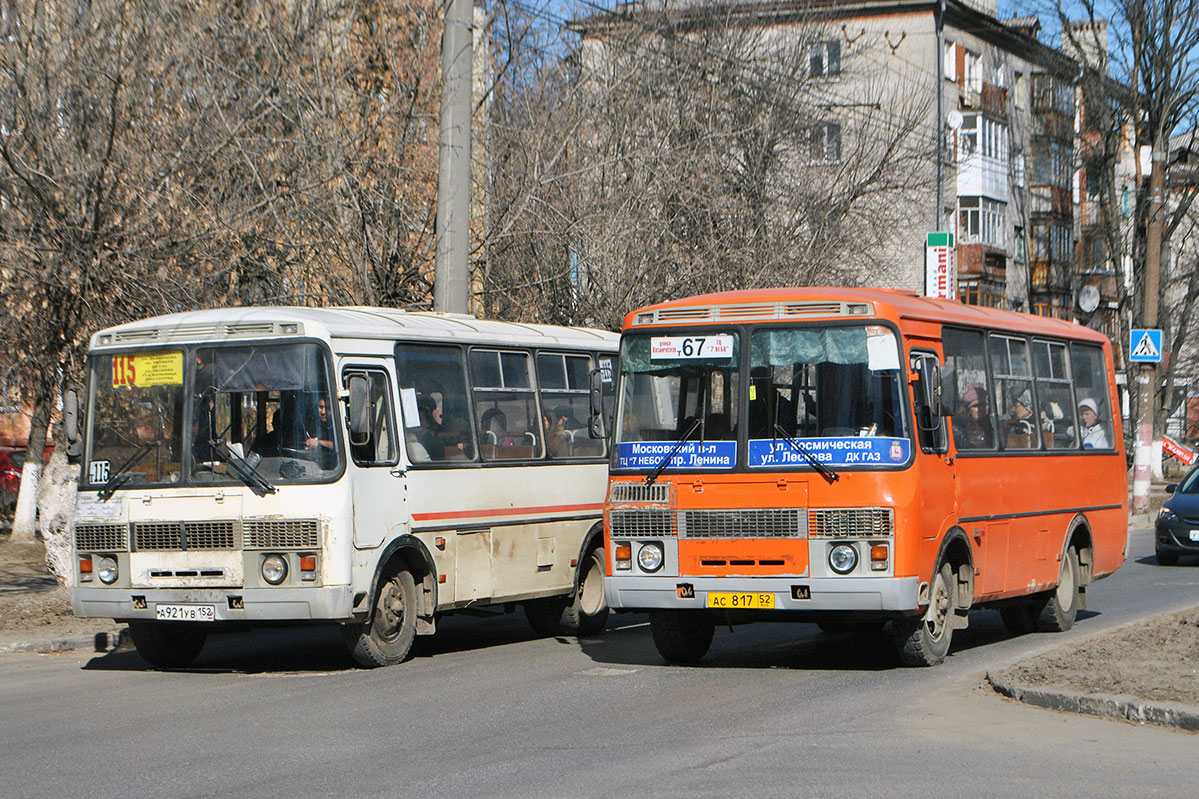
(463, 514)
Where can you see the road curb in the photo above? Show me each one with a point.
(105, 641)
(1128, 708)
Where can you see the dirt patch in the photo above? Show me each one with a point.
(1156, 660)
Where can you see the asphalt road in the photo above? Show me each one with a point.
(485, 709)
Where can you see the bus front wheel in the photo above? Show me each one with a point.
(925, 641)
(386, 637)
(166, 644)
(681, 636)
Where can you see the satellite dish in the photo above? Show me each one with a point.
(954, 120)
(1088, 298)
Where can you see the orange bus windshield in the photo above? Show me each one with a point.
(764, 397)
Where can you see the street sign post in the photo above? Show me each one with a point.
(1145, 346)
(940, 266)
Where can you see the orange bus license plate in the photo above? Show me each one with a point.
(750, 600)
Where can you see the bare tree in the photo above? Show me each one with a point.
(158, 156)
(1151, 53)
(669, 154)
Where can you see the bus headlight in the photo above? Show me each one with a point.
(649, 557)
(843, 558)
(106, 570)
(274, 569)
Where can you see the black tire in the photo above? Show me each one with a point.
(925, 641)
(1019, 618)
(166, 644)
(545, 615)
(833, 627)
(588, 611)
(386, 637)
(1055, 611)
(1166, 558)
(681, 636)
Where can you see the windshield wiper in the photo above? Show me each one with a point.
(246, 472)
(825, 472)
(652, 476)
(123, 475)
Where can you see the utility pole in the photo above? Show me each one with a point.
(453, 177)
(940, 56)
(1147, 373)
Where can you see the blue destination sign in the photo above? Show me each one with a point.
(692, 455)
(766, 452)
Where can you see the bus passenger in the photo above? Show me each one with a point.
(972, 427)
(1020, 431)
(1093, 434)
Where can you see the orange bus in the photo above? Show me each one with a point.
(857, 458)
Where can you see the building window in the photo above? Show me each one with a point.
(999, 72)
(1018, 169)
(981, 220)
(980, 134)
(824, 59)
(949, 61)
(1018, 90)
(1018, 246)
(973, 74)
(1050, 163)
(824, 143)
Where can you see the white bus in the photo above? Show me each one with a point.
(363, 466)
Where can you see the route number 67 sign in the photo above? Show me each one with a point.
(675, 348)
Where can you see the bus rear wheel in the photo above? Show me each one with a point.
(925, 641)
(165, 644)
(386, 637)
(1055, 611)
(681, 636)
(588, 611)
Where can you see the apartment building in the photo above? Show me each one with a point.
(1022, 183)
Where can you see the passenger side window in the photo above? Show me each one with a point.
(565, 402)
(1013, 393)
(1093, 412)
(974, 420)
(379, 446)
(436, 409)
(505, 405)
(1055, 399)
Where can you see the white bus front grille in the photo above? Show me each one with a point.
(101, 538)
(281, 534)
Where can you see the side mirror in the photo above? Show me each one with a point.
(595, 415)
(947, 387)
(359, 410)
(1171, 488)
(70, 425)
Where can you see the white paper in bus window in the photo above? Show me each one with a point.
(881, 350)
(408, 403)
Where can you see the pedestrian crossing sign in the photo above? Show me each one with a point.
(1145, 346)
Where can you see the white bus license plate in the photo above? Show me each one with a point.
(185, 612)
(1195, 535)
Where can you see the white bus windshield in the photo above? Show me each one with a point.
(164, 417)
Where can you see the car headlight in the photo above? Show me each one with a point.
(650, 557)
(106, 570)
(1167, 515)
(274, 569)
(843, 558)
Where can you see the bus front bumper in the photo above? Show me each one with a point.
(327, 603)
(826, 593)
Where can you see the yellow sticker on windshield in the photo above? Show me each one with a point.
(753, 392)
(147, 369)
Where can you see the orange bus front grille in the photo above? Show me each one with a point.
(756, 523)
(642, 522)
